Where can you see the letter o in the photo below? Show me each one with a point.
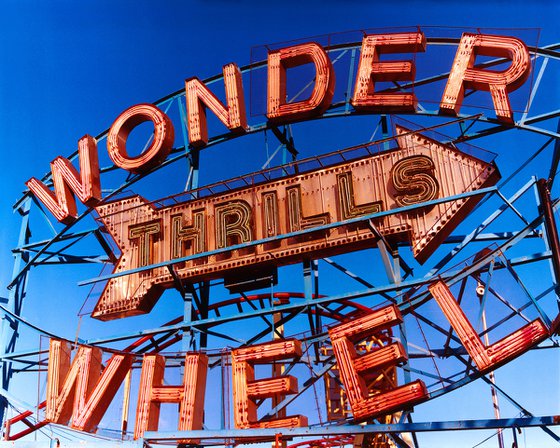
(158, 150)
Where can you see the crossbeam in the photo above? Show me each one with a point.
(457, 425)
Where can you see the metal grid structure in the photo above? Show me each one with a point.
(501, 240)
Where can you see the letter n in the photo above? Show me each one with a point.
(353, 368)
(80, 391)
(66, 180)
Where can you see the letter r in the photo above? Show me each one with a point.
(464, 74)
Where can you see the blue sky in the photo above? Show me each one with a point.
(70, 68)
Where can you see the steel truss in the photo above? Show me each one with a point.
(205, 314)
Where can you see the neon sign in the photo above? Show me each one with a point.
(86, 184)
(262, 224)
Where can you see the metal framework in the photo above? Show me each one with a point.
(516, 222)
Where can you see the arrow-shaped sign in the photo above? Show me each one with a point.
(290, 219)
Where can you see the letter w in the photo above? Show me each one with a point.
(81, 391)
(66, 180)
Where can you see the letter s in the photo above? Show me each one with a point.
(414, 181)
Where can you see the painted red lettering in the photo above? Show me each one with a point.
(66, 179)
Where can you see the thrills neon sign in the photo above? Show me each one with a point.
(319, 212)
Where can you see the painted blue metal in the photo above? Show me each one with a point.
(221, 138)
(535, 89)
(62, 443)
(520, 309)
(485, 293)
(10, 325)
(350, 78)
(471, 236)
(549, 51)
(524, 411)
(459, 425)
(309, 383)
(535, 303)
(452, 277)
(17, 319)
(483, 261)
(555, 159)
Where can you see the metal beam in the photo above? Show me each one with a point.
(458, 425)
(9, 327)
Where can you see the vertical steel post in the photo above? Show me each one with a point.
(491, 375)
(9, 332)
(318, 321)
(126, 404)
(204, 295)
(311, 285)
(551, 229)
(188, 339)
(385, 131)
(348, 93)
(278, 367)
(194, 157)
(555, 159)
(308, 280)
(514, 445)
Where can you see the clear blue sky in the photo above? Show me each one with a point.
(69, 68)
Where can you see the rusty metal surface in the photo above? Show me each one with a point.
(371, 70)
(155, 153)
(66, 179)
(246, 390)
(420, 170)
(278, 109)
(189, 395)
(80, 391)
(30, 427)
(376, 380)
(198, 98)
(544, 187)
